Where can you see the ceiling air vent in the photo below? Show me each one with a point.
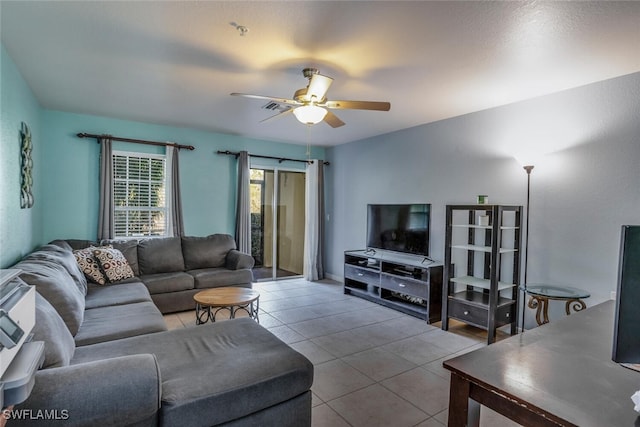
(274, 106)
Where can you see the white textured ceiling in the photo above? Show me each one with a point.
(176, 62)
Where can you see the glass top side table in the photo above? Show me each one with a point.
(540, 294)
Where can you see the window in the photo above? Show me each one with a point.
(139, 198)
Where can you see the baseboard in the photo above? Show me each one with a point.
(337, 278)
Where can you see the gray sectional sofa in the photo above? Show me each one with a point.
(175, 268)
(110, 360)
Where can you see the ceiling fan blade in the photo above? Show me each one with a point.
(333, 120)
(318, 86)
(276, 116)
(358, 105)
(269, 98)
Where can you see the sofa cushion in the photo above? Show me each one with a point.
(119, 294)
(167, 282)
(162, 255)
(205, 252)
(120, 391)
(216, 372)
(80, 244)
(129, 249)
(61, 252)
(55, 284)
(49, 327)
(215, 277)
(119, 321)
(113, 264)
(89, 265)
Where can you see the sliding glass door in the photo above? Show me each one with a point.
(277, 222)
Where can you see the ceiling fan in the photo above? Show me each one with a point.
(310, 104)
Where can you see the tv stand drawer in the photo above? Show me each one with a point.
(404, 285)
(361, 275)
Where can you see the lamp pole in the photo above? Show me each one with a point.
(528, 169)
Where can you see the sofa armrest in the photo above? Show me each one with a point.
(237, 260)
(119, 391)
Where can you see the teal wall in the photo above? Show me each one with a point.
(20, 229)
(67, 170)
(208, 180)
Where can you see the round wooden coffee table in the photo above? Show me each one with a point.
(209, 302)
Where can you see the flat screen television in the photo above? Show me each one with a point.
(400, 228)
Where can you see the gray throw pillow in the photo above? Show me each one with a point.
(58, 342)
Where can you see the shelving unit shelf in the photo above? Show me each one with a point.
(482, 267)
(408, 283)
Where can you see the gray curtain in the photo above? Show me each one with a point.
(105, 214)
(176, 221)
(313, 268)
(243, 205)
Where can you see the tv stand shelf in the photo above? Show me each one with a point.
(411, 284)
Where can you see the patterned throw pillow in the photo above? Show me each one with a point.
(113, 263)
(89, 265)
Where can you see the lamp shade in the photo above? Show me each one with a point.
(309, 114)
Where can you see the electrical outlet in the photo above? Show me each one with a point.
(613, 295)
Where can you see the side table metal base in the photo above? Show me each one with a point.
(541, 305)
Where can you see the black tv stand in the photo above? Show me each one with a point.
(399, 281)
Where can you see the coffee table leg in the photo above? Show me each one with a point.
(251, 309)
(215, 313)
(203, 314)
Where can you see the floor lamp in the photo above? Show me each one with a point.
(528, 169)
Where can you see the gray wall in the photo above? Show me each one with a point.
(583, 187)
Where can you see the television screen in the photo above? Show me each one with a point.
(401, 228)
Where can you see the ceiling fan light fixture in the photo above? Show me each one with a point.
(309, 114)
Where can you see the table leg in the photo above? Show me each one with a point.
(462, 410)
(219, 308)
(541, 305)
(201, 315)
(578, 305)
(251, 309)
(256, 311)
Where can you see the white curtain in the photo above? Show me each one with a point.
(243, 204)
(313, 268)
(173, 196)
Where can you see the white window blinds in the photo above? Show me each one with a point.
(139, 198)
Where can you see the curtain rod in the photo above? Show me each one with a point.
(136, 141)
(279, 159)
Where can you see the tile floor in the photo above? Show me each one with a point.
(373, 366)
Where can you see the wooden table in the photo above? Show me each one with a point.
(560, 373)
(209, 302)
